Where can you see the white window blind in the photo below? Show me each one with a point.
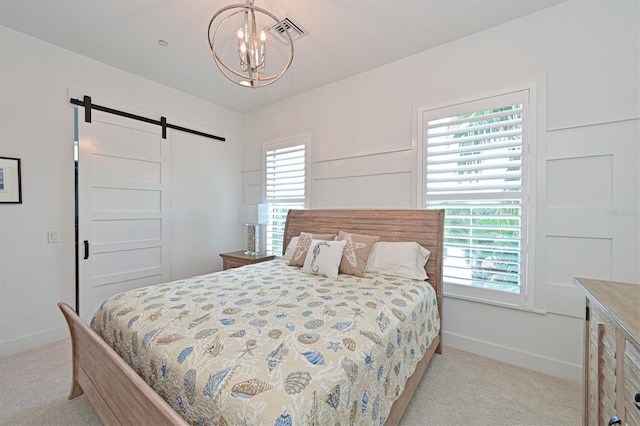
(474, 169)
(285, 189)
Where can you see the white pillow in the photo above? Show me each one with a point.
(323, 258)
(402, 259)
(291, 248)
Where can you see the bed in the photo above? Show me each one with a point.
(318, 359)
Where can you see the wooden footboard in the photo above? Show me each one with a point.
(121, 397)
(113, 388)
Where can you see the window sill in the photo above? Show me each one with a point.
(494, 303)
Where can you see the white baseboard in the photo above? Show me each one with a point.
(512, 356)
(14, 346)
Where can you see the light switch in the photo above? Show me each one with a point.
(52, 236)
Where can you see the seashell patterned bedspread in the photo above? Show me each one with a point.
(266, 344)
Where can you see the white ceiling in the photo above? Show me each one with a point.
(346, 37)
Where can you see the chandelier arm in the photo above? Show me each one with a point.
(221, 64)
(219, 61)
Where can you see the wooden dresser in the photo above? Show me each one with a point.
(611, 353)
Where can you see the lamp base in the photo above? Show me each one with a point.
(253, 240)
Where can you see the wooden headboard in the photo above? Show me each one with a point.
(422, 226)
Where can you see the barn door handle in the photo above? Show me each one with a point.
(86, 249)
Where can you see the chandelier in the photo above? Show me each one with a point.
(239, 45)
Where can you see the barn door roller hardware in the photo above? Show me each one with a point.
(88, 106)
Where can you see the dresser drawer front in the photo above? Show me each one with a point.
(602, 366)
(631, 383)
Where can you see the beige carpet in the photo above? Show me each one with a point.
(459, 388)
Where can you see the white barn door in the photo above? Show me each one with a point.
(123, 208)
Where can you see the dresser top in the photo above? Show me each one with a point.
(620, 300)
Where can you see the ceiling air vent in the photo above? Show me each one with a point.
(294, 29)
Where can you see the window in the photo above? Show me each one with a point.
(285, 186)
(476, 158)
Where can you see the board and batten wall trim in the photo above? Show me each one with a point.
(592, 206)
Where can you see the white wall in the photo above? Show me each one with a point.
(583, 57)
(36, 125)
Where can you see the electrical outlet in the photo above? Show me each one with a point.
(52, 236)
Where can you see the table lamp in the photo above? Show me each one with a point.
(253, 215)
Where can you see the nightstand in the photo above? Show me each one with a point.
(236, 259)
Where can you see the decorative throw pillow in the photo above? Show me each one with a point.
(323, 258)
(291, 248)
(304, 241)
(401, 259)
(356, 252)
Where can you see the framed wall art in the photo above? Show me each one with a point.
(10, 180)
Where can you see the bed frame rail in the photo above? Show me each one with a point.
(116, 392)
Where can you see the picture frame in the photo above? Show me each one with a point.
(10, 180)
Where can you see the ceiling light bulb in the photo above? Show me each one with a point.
(263, 36)
(240, 34)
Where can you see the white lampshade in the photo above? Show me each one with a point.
(253, 214)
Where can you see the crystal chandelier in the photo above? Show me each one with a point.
(246, 23)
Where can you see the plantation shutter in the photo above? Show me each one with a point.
(474, 170)
(285, 189)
